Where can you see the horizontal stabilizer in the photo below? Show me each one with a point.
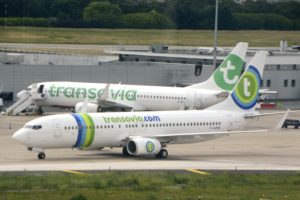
(223, 94)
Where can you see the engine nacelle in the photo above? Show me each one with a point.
(143, 146)
(86, 107)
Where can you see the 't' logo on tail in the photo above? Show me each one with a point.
(246, 92)
(228, 73)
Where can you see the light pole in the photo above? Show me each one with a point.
(216, 35)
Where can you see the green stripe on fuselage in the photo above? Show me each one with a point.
(90, 130)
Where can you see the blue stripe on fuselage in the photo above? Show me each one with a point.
(83, 126)
(80, 130)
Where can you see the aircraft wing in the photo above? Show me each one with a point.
(203, 136)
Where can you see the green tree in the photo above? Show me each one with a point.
(103, 14)
(147, 21)
(34, 8)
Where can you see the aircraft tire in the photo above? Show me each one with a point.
(41, 156)
(162, 154)
(125, 152)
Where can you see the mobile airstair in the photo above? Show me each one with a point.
(27, 98)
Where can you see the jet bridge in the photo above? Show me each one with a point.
(27, 98)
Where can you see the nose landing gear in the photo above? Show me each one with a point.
(41, 153)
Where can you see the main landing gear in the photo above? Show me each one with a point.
(41, 155)
(125, 152)
(162, 154)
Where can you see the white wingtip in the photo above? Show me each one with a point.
(280, 123)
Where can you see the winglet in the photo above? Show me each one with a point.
(279, 124)
(105, 94)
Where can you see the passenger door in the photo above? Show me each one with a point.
(57, 128)
(190, 102)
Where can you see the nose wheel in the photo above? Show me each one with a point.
(41, 156)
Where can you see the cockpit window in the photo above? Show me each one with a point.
(34, 127)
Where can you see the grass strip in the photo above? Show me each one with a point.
(259, 38)
(149, 185)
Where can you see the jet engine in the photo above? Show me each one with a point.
(143, 146)
(86, 107)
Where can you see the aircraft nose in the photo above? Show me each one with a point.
(20, 136)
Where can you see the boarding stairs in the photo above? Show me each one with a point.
(28, 98)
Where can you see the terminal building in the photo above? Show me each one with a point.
(17, 71)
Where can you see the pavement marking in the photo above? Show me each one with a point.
(75, 172)
(198, 171)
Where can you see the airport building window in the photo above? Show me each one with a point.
(293, 83)
(269, 83)
(261, 83)
(285, 83)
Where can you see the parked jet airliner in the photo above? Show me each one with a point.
(96, 96)
(148, 133)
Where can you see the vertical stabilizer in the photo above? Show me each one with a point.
(244, 95)
(227, 74)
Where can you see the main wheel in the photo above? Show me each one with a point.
(41, 155)
(162, 154)
(125, 152)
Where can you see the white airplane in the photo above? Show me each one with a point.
(148, 133)
(95, 96)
